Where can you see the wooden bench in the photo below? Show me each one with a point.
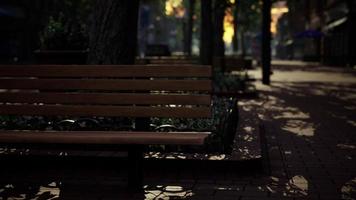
(137, 92)
(167, 60)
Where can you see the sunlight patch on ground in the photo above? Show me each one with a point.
(294, 75)
(48, 192)
(300, 76)
(299, 185)
(318, 92)
(217, 157)
(167, 192)
(350, 107)
(299, 127)
(347, 97)
(248, 129)
(293, 115)
(348, 190)
(295, 119)
(228, 188)
(346, 146)
(353, 123)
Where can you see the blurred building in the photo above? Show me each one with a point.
(318, 30)
(338, 44)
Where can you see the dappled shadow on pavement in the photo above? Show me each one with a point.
(95, 179)
(311, 138)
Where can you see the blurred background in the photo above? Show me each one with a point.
(307, 30)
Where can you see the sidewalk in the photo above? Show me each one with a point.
(309, 117)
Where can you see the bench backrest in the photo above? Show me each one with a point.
(105, 90)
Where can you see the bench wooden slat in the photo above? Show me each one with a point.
(100, 84)
(105, 71)
(105, 111)
(104, 98)
(102, 137)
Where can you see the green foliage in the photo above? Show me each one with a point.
(221, 111)
(249, 14)
(229, 83)
(66, 28)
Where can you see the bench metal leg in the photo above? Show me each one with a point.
(135, 175)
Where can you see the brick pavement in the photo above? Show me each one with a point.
(310, 121)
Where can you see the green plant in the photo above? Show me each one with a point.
(216, 142)
(228, 82)
(66, 27)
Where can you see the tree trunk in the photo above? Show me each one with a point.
(219, 45)
(235, 39)
(34, 24)
(189, 29)
(242, 38)
(206, 37)
(266, 41)
(113, 37)
(219, 14)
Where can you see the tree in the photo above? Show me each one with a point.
(66, 25)
(219, 14)
(266, 41)
(206, 36)
(219, 44)
(247, 17)
(235, 39)
(113, 35)
(189, 29)
(34, 23)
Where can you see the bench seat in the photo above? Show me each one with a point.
(102, 137)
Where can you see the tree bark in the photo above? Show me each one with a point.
(242, 38)
(34, 24)
(266, 41)
(189, 29)
(219, 14)
(235, 39)
(113, 38)
(206, 37)
(219, 45)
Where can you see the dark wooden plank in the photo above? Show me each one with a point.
(173, 61)
(102, 137)
(104, 84)
(105, 71)
(109, 111)
(104, 98)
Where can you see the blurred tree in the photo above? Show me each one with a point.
(266, 41)
(189, 28)
(34, 24)
(235, 39)
(113, 35)
(247, 18)
(206, 33)
(219, 14)
(66, 25)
